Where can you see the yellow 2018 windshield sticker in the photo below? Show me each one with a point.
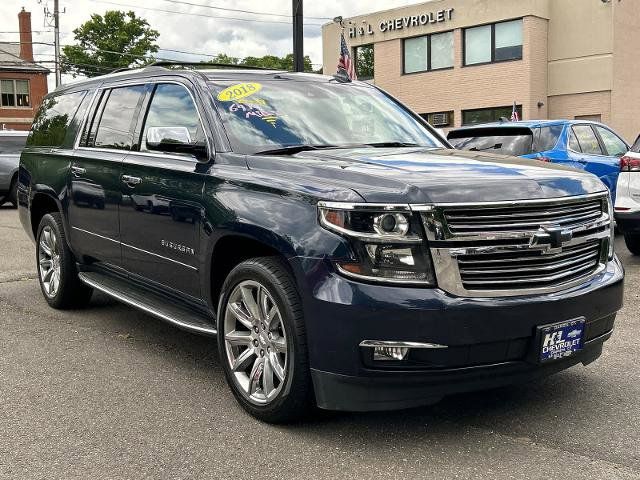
(241, 90)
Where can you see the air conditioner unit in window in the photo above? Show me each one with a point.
(440, 119)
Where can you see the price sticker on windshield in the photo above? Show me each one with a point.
(241, 90)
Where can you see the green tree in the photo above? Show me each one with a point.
(117, 40)
(268, 61)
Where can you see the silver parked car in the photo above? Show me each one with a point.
(11, 144)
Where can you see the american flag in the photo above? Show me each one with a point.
(514, 113)
(344, 61)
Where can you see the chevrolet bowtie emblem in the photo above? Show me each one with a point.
(551, 238)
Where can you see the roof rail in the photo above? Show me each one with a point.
(165, 63)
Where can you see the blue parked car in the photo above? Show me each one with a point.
(581, 144)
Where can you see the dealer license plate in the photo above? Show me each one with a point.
(561, 340)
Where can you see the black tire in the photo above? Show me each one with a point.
(295, 398)
(632, 240)
(13, 193)
(70, 291)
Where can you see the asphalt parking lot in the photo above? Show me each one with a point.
(108, 392)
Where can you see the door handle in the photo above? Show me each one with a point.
(78, 171)
(131, 181)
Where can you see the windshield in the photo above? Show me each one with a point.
(278, 113)
(506, 141)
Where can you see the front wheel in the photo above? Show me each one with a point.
(262, 341)
(13, 193)
(57, 271)
(632, 240)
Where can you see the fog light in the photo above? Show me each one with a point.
(390, 353)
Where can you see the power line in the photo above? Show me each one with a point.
(200, 14)
(239, 10)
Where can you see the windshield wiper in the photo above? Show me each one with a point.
(391, 144)
(493, 147)
(293, 149)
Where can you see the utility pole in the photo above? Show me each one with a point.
(56, 40)
(298, 37)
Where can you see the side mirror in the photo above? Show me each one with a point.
(175, 140)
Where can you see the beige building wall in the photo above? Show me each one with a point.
(579, 59)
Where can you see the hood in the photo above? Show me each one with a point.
(421, 175)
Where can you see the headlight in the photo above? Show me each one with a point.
(387, 241)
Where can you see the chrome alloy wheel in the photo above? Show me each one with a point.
(255, 342)
(49, 261)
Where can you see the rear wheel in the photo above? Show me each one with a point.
(262, 342)
(13, 192)
(632, 240)
(57, 271)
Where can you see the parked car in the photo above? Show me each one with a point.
(580, 144)
(11, 144)
(348, 260)
(627, 206)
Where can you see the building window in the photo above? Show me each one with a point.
(14, 93)
(497, 42)
(439, 119)
(486, 115)
(363, 56)
(429, 52)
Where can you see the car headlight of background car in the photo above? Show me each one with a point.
(387, 241)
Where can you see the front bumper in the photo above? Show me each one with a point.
(490, 341)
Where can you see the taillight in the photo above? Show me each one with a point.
(629, 164)
(544, 159)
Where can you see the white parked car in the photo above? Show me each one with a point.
(627, 207)
(11, 144)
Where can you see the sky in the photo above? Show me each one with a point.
(194, 32)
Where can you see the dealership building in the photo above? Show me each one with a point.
(463, 62)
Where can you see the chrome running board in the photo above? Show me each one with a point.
(149, 302)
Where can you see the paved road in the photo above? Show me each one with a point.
(108, 392)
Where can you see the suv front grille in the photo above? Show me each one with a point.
(530, 269)
(501, 219)
(518, 248)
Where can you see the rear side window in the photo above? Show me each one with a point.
(116, 118)
(636, 146)
(547, 138)
(614, 145)
(12, 145)
(506, 141)
(50, 126)
(587, 139)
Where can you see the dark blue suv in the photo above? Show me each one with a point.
(342, 253)
(580, 144)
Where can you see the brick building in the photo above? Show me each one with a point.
(23, 83)
(460, 62)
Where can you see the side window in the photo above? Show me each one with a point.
(587, 138)
(573, 141)
(547, 138)
(115, 128)
(613, 144)
(173, 110)
(50, 126)
(636, 145)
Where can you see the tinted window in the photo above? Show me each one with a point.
(612, 143)
(506, 144)
(487, 115)
(12, 145)
(115, 126)
(547, 138)
(587, 140)
(636, 146)
(53, 119)
(172, 106)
